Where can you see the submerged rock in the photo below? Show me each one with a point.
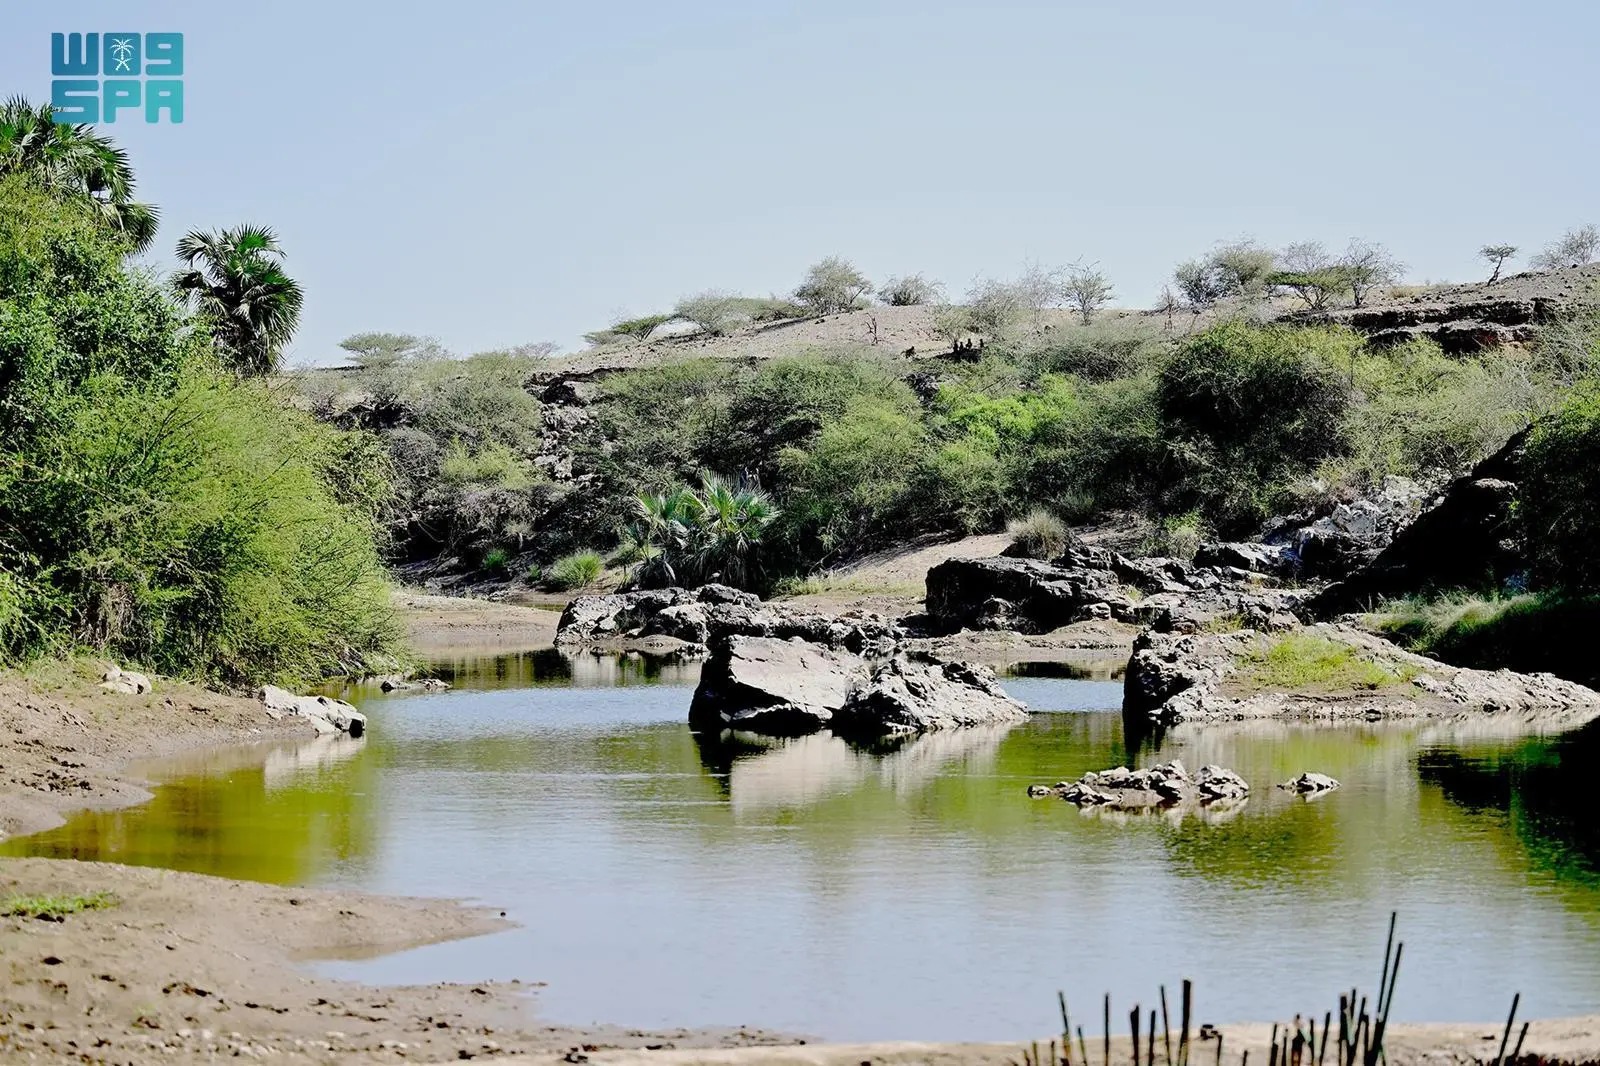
(1168, 784)
(1309, 784)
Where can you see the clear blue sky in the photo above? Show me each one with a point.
(497, 172)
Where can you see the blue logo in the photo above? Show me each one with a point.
(97, 75)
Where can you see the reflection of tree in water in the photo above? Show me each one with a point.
(1543, 785)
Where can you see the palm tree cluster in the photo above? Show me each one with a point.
(691, 536)
(234, 277)
(71, 159)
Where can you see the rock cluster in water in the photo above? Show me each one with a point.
(1310, 784)
(326, 715)
(1166, 785)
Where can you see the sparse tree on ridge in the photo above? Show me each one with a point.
(1201, 284)
(1366, 265)
(910, 291)
(712, 311)
(1087, 290)
(1577, 247)
(832, 285)
(1242, 267)
(1496, 254)
(1307, 270)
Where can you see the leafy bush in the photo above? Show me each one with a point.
(690, 536)
(995, 307)
(576, 571)
(1178, 536)
(1038, 535)
(496, 559)
(714, 311)
(912, 290)
(153, 508)
(832, 285)
(1559, 499)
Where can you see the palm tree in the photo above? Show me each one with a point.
(730, 522)
(71, 159)
(236, 280)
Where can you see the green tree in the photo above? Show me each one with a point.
(832, 285)
(71, 159)
(235, 280)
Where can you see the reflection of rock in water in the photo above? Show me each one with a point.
(598, 670)
(765, 774)
(1214, 813)
(283, 764)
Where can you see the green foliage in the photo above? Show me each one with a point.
(1246, 410)
(77, 165)
(1038, 535)
(576, 571)
(1530, 632)
(832, 285)
(149, 508)
(1559, 504)
(234, 278)
(1301, 661)
(691, 536)
(910, 290)
(714, 311)
(496, 559)
(1178, 536)
(54, 908)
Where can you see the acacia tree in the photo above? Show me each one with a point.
(912, 290)
(1087, 290)
(71, 159)
(1365, 266)
(832, 285)
(1242, 267)
(1575, 248)
(235, 279)
(1307, 270)
(1496, 254)
(712, 310)
(1200, 282)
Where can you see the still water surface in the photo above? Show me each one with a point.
(908, 890)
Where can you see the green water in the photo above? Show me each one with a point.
(902, 890)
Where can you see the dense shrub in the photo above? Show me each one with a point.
(154, 508)
(1531, 632)
(1559, 505)
(910, 290)
(578, 570)
(1038, 535)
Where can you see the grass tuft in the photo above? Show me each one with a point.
(54, 908)
(1301, 661)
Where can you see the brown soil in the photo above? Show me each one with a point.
(66, 745)
(184, 968)
(455, 624)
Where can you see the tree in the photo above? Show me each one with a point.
(374, 351)
(832, 285)
(1037, 288)
(1496, 254)
(1087, 290)
(691, 536)
(952, 322)
(1307, 270)
(235, 279)
(1366, 265)
(71, 159)
(1242, 267)
(1200, 282)
(1575, 248)
(712, 310)
(912, 290)
(993, 307)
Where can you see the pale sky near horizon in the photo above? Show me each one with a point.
(491, 172)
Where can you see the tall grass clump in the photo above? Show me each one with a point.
(1038, 535)
(576, 571)
(1529, 632)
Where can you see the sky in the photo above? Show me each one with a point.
(494, 172)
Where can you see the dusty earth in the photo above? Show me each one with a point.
(457, 624)
(185, 968)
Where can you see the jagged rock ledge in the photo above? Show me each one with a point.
(1167, 785)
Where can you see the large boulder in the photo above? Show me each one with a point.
(770, 685)
(919, 694)
(1027, 595)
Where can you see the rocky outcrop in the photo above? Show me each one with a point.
(920, 694)
(1466, 539)
(326, 715)
(1310, 785)
(1216, 677)
(1166, 785)
(772, 686)
(790, 687)
(710, 613)
(397, 683)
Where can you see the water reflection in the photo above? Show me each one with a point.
(664, 878)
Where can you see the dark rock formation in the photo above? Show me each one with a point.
(772, 686)
(1467, 539)
(1166, 785)
(1027, 595)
